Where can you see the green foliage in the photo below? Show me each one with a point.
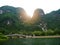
(49, 32)
(9, 14)
(53, 19)
(14, 20)
(3, 37)
(57, 32)
(37, 33)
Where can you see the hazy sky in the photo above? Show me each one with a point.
(31, 5)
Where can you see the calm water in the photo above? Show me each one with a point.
(34, 41)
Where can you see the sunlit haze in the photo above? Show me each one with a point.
(30, 5)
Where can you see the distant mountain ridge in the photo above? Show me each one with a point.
(16, 19)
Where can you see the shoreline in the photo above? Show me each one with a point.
(46, 37)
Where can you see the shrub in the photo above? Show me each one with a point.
(2, 37)
(49, 32)
(37, 33)
(57, 32)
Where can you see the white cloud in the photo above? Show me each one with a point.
(31, 5)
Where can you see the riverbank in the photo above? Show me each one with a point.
(46, 37)
(26, 36)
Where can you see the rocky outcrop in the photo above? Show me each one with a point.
(38, 20)
(22, 15)
(37, 16)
